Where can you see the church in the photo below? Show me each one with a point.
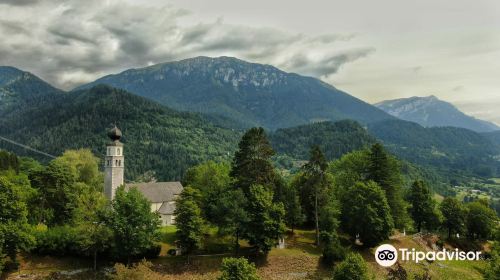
(162, 195)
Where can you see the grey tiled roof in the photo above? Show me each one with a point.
(158, 191)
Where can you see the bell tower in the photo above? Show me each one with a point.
(113, 164)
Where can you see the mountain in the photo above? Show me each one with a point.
(430, 111)
(334, 139)
(254, 94)
(156, 138)
(449, 149)
(19, 88)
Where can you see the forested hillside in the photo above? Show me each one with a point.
(445, 148)
(335, 139)
(156, 138)
(250, 93)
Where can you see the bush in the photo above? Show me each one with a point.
(238, 269)
(352, 268)
(332, 250)
(139, 271)
(58, 241)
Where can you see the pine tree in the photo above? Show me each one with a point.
(421, 205)
(252, 163)
(316, 184)
(385, 171)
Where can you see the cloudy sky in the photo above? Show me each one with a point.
(375, 50)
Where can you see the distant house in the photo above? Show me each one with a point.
(162, 195)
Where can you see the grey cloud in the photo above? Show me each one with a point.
(80, 41)
(328, 65)
(18, 2)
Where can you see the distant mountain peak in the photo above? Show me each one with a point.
(430, 111)
(253, 93)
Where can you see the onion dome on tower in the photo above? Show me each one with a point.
(115, 134)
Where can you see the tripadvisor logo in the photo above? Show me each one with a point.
(386, 255)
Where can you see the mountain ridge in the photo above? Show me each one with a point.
(430, 111)
(261, 95)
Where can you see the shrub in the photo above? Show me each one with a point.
(59, 241)
(238, 269)
(139, 271)
(352, 268)
(332, 250)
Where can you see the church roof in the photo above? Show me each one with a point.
(158, 191)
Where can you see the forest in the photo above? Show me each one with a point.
(348, 204)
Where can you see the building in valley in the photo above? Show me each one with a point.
(162, 195)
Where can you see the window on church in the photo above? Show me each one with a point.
(119, 163)
(118, 151)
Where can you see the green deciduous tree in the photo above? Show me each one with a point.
(14, 229)
(238, 269)
(212, 180)
(453, 215)
(352, 268)
(365, 211)
(83, 165)
(252, 163)
(57, 195)
(480, 220)
(90, 221)
(188, 220)
(231, 213)
(265, 219)
(422, 206)
(134, 226)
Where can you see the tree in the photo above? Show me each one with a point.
(365, 211)
(188, 219)
(134, 226)
(265, 219)
(385, 171)
(453, 214)
(238, 269)
(480, 220)
(14, 229)
(57, 194)
(231, 210)
(328, 224)
(212, 180)
(315, 183)
(422, 208)
(83, 165)
(90, 221)
(293, 209)
(352, 268)
(252, 163)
